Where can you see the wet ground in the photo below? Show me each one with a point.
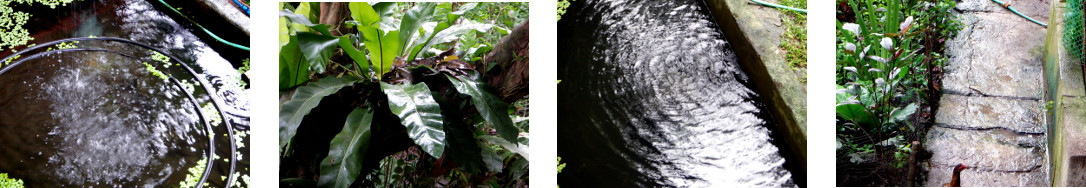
(99, 119)
(991, 115)
(652, 96)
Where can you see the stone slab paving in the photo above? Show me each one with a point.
(979, 112)
(991, 115)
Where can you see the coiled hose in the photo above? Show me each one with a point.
(203, 83)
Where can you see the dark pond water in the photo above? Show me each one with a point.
(652, 96)
(99, 119)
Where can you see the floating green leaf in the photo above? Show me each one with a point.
(420, 113)
(305, 99)
(346, 151)
(489, 106)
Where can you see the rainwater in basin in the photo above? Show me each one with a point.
(100, 118)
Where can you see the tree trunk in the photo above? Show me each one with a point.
(509, 77)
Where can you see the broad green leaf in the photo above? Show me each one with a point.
(284, 29)
(521, 150)
(411, 22)
(390, 46)
(901, 114)
(346, 151)
(384, 9)
(358, 56)
(363, 13)
(452, 16)
(842, 95)
(462, 146)
(489, 106)
(317, 49)
(420, 113)
(856, 113)
(304, 100)
(301, 20)
(446, 35)
(382, 47)
(293, 69)
(429, 35)
(491, 159)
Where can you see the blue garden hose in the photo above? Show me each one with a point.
(1008, 5)
(243, 7)
(779, 6)
(228, 43)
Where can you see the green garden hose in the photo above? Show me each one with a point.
(1008, 6)
(779, 6)
(228, 43)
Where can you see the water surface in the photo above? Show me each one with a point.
(99, 119)
(652, 95)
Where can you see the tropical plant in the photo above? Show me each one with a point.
(885, 61)
(423, 95)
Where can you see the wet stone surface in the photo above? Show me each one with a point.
(991, 115)
(978, 112)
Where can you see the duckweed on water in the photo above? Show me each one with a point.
(159, 74)
(213, 115)
(6, 182)
(12, 32)
(194, 174)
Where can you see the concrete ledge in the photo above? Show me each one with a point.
(1067, 142)
(227, 9)
(755, 34)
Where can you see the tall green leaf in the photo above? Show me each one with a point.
(489, 106)
(346, 151)
(363, 13)
(446, 35)
(293, 69)
(382, 46)
(411, 22)
(358, 56)
(521, 150)
(317, 49)
(420, 113)
(304, 100)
